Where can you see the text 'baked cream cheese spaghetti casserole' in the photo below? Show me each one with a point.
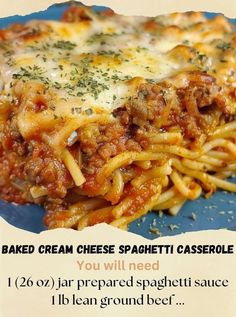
(104, 117)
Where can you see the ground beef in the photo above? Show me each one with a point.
(172, 104)
(99, 144)
(24, 164)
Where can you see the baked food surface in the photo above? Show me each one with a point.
(104, 117)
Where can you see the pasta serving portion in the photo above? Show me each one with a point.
(104, 117)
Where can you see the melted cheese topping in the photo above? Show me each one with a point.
(67, 74)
